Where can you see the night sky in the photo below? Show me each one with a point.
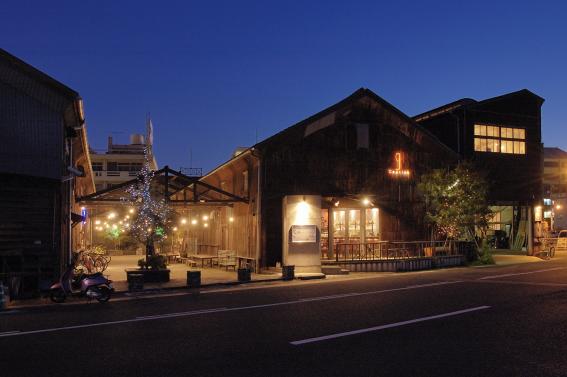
(217, 75)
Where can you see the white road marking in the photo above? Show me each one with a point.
(221, 310)
(182, 314)
(388, 326)
(9, 332)
(521, 283)
(521, 273)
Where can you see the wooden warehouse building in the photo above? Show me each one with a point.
(44, 165)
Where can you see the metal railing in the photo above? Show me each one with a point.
(400, 250)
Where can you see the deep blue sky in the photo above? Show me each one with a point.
(215, 74)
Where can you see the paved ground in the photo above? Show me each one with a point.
(506, 320)
(178, 274)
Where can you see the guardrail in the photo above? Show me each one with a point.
(401, 250)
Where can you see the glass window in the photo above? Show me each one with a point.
(324, 232)
(97, 166)
(479, 130)
(507, 146)
(480, 144)
(519, 147)
(339, 224)
(245, 182)
(354, 224)
(372, 229)
(496, 139)
(519, 133)
(492, 131)
(492, 145)
(506, 133)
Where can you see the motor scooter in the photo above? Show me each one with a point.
(90, 285)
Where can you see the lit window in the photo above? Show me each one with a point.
(507, 146)
(496, 139)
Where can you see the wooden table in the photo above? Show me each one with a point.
(204, 258)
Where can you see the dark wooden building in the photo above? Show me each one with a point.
(502, 135)
(44, 165)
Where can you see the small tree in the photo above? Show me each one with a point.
(456, 202)
(149, 223)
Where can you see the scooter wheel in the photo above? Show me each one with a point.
(57, 296)
(104, 294)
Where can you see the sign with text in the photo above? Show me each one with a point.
(399, 170)
(304, 233)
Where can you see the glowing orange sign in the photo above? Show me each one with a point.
(399, 171)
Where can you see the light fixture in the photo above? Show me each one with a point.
(205, 218)
(365, 201)
(558, 206)
(184, 221)
(175, 229)
(97, 222)
(206, 225)
(131, 210)
(114, 226)
(127, 217)
(337, 203)
(193, 221)
(111, 215)
(231, 219)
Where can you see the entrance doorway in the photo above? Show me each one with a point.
(348, 228)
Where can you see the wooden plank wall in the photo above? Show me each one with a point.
(29, 220)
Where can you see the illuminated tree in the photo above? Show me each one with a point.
(149, 223)
(456, 202)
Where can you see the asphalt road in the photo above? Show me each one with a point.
(495, 321)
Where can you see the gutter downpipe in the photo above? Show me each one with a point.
(70, 206)
(258, 212)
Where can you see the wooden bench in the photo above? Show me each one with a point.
(227, 258)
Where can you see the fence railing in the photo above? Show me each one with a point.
(400, 249)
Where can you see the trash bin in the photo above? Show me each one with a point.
(288, 273)
(135, 282)
(244, 274)
(194, 279)
(3, 296)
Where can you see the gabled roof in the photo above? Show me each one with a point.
(174, 184)
(355, 96)
(469, 102)
(554, 152)
(443, 109)
(37, 75)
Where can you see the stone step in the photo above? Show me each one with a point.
(334, 270)
(310, 276)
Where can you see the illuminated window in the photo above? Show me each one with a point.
(372, 229)
(496, 139)
(354, 224)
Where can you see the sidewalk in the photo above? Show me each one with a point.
(507, 259)
(215, 278)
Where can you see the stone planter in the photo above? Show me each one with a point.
(150, 276)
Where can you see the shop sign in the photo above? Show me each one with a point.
(398, 169)
(303, 233)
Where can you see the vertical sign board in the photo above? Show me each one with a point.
(301, 226)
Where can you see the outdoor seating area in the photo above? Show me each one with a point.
(178, 273)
